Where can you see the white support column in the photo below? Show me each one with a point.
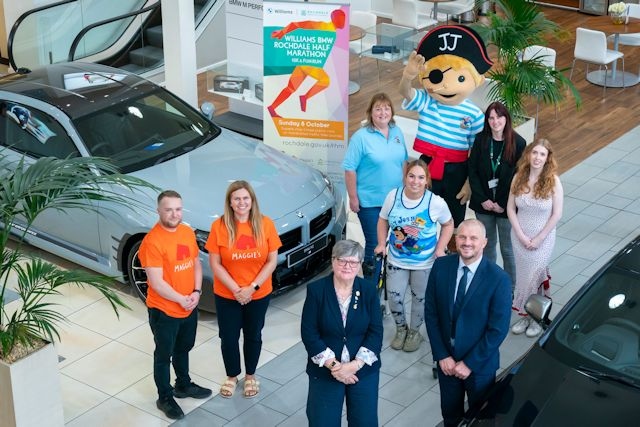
(178, 37)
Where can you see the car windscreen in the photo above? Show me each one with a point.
(602, 330)
(144, 131)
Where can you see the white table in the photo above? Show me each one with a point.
(614, 77)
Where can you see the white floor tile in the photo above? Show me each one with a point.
(115, 412)
(281, 331)
(99, 317)
(78, 398)
(111, 368)
(76, 342)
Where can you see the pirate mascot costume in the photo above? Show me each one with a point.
(449, 62)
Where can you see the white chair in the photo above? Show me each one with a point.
(363, 20)
(405, 13)
(547, 57)
(458, 7)
(591, 47)
(633, 39)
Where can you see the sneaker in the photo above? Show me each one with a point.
(534, 330)
(412, 343)
(170, 408)
(192, 390)
(401, 335)
(520, 326)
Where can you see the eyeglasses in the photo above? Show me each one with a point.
(343, 262)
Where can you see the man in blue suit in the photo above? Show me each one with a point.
(467, 314)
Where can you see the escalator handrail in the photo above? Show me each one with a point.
(19, 21)
(85, 30)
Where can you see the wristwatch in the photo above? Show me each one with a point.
(255, 286)
(198, 291)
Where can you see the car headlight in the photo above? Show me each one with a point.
(201, 239)
(330, 186)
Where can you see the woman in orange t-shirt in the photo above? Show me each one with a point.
(243, 252)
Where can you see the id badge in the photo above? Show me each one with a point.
(493, 183)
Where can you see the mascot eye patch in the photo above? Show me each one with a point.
(436, 76)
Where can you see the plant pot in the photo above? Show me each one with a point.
(617, 18)
(31, 390)
(527, 129)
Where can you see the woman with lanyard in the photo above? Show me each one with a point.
(492, 164)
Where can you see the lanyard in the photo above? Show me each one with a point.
(495, 163)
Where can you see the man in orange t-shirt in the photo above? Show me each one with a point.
(169, 255)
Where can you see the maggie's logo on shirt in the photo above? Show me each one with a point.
(245, 242)
(184, 266)
(182, 252)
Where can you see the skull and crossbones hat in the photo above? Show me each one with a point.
(457, 40)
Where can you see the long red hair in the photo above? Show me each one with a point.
(543, 188)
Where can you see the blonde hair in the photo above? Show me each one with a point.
(543, 188)
(442, 62)
(255, 217)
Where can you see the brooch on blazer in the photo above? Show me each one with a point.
(355, 304)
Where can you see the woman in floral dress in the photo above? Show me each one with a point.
(534, 208)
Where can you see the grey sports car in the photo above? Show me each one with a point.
(80, 109)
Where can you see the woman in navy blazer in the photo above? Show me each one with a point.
(342, 333)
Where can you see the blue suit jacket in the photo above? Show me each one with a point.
(321, 325)
(483, 322)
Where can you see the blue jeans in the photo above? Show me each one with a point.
(232, 317)
(369, 222)
(503, 227)
(174, 338)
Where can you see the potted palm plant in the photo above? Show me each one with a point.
(517, 25)
(28, 326)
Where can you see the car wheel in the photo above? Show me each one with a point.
(136, 274)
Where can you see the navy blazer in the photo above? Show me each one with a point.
(483, 322)
(322, 327)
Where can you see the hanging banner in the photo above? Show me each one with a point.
(306, 78)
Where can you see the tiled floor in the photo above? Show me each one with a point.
(106, 363)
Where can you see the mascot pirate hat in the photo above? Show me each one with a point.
(456, 40)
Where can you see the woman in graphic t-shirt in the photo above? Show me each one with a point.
(412, 213)
(243, 250)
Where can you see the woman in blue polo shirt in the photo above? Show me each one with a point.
(373, 166)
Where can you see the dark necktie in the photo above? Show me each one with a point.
(462, 287)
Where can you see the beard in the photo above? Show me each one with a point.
(170, 223)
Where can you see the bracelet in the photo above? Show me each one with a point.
(198, 291)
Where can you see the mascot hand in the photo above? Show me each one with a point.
(415, 63)
(465, 193)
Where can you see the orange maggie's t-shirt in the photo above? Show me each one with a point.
(245, 258)
(176, 253)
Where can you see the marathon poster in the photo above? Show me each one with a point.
(306, 79)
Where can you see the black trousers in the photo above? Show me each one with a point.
(233, 317)
(454, 177)
(174, 338)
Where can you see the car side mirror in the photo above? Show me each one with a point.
(208, 110)
(539, 308)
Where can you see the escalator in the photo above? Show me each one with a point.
(123, 34)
